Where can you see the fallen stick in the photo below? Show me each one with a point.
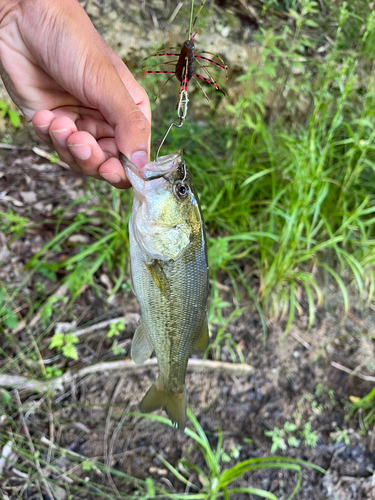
(368, 378)
(129, 318)
(32, 448)
(23, 383)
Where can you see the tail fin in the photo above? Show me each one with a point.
(174, 403)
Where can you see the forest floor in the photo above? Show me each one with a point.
(298, 378)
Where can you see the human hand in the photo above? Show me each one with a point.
(79, 96)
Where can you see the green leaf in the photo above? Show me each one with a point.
(11, 320)
(14, 118)
(47, 273)
(57, 341)
(293, 441)
(5, 398)
(86, 465)
(290, 427)
(70, 351)
(150, 487)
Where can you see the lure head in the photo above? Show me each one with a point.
(189, 45)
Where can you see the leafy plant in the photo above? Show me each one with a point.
(309, 437)
(115, 329)
(13, 116)
(65, 343)
(8, 318)
(364, 408)
(218, 481)
(14, 224)
(341, 436)
(282, 437)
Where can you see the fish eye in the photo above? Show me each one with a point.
(181, 190)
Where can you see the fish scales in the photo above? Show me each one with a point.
(170, 277)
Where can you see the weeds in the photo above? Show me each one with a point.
(78, 474)
(100, 247)
(10, 114)
(220, 481)
(365, 410)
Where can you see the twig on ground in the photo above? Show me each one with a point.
(175, 12)
(5, 454)
(120, 381)
(47, 156)
(31, 445)
(127, 319)
(300, 339)
(368, 378)
(12, 146)
(23, 383)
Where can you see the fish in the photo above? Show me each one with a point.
(169, 274)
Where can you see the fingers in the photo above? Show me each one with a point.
(79, 149)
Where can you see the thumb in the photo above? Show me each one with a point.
(133, 134)
(125, 105)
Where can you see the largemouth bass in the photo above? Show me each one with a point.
(169, 275)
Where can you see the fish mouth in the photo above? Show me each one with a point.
(155, 169)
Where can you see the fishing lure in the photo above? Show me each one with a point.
(187, 58)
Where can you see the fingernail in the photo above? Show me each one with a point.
(61, 140)
(80, 151)
(111, 177)
(44, 129)
(139, 158)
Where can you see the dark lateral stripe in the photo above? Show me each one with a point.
(211, 61)
(168, 72)
(207, 81)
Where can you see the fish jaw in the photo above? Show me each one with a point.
(152, 170)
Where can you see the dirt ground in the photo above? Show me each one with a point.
(292, 378)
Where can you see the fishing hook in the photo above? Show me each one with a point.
(181, 113)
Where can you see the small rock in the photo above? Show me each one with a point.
(28, 196)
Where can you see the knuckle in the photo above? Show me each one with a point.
(139, 123)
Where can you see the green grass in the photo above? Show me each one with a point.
(293, 199)
(216, 479)
(287, 196)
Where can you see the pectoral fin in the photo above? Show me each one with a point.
(141, 349)
(201, 341)
(159, 278)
